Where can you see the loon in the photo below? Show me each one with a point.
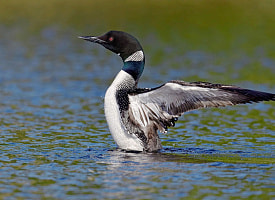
(135, 115)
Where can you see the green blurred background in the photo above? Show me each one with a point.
(210, 25)
(230, 30)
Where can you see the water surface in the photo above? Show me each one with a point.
(55, 142)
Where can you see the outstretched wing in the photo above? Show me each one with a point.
(164, 104)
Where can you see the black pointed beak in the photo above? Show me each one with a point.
(92, 39)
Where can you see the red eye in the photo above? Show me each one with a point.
(111, 39)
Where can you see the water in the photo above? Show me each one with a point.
(55, 143)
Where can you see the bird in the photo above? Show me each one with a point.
(136, 115)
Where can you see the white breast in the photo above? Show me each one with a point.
(123, 139)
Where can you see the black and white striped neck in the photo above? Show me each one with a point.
(134, 64)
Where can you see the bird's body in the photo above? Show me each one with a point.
(135, 115)
(113, 107)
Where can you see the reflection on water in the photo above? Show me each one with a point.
(55, 142)
(175, 176)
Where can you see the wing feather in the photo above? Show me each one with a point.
(164, 104)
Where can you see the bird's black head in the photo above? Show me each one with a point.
(118, 42)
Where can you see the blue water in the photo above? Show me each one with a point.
(55, 142)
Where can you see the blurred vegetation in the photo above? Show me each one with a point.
(212, 25)
(231, 31)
